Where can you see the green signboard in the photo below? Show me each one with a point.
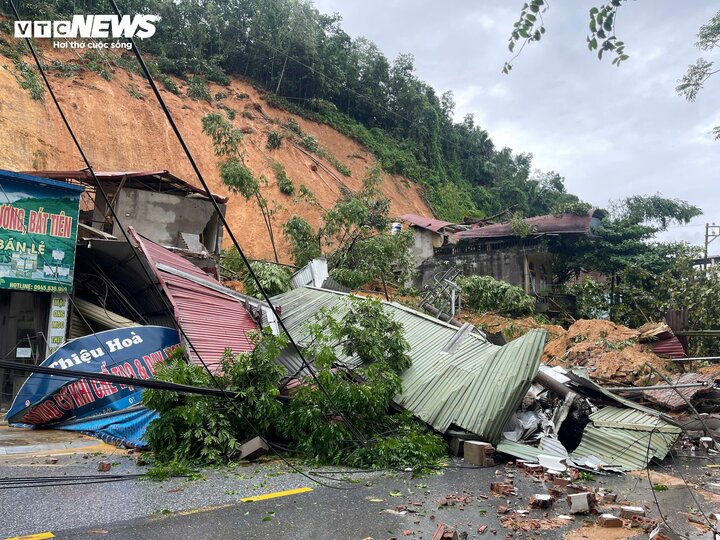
(38, 230)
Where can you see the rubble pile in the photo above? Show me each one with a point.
(608, 351)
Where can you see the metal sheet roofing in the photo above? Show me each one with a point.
(617, 436)
(550, 224)
(669, 346)
(476, 388)
(431, 224)
(626, 438)
(677, 398)
(627, 449)
(211, 319)
(161, 180)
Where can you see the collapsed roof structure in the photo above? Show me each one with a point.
(464, 386)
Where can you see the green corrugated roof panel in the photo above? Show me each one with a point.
(624, 448)
(519, 450)
(617, 417)
(476, 388)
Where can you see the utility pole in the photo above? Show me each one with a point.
(711, 233)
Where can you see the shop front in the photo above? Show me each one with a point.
(38, 231)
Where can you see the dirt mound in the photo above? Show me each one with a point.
(122, 128)
(511, 328)
(610, 352)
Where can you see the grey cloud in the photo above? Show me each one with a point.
(612, 132)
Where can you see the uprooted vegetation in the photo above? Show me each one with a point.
(485, 294)
(339, 417)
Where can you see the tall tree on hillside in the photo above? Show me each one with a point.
(233, 171)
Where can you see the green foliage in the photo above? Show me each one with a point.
(521, 227)
(193, 428)
(63, 69)
(230, 113)
(487, 294)
(200, 429)
(274, 140)
(239, 178)
(593, 299)
(364, 398)
(163, 470)
(530, 27)
(334, 161)
(198, 89)
(169, 84)
(304, 243)
(275, 279)
(284, 183)
(98, 63)
(30, 80)
(575, 208)
(355, 236)
(233, 171)
(134, 92)
(655, 210)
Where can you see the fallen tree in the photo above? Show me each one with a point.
(338, 417)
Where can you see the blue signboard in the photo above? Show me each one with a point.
(127, 352)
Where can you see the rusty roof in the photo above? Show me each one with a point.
(550, 224)
(431, 224)
(211, 319)
(161, 180)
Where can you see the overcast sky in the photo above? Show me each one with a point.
(611, 132)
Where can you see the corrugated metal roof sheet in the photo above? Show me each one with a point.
(677, 398)
(618, 417)
(476, 388)
(624, 448)
(669, 345)
(431, 224)
(626, 438)
(212, 320)
(617, 436)
(583, 381)
(550, 224)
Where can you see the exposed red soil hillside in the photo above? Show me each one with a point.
(122, 133)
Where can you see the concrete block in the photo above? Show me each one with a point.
(478, 453)
(608, 521)
(541, 500)
(603, 497)
(644, 523)
(51, 461)
(627, 512)
(253, 449)
(581, 503)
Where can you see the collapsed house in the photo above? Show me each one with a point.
(499, 251)
(469, 389)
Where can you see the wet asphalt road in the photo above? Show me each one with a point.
(374, 505)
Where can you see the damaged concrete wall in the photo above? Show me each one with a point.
(162, 217)
(506, 262)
